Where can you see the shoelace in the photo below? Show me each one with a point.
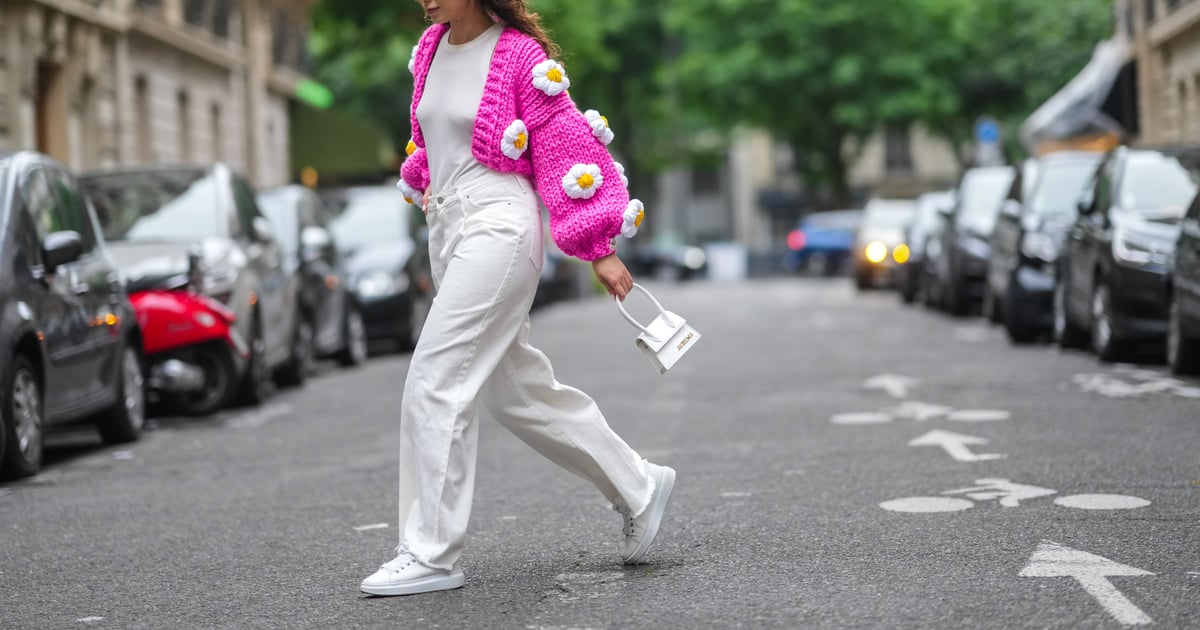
(627, 529)
(403, 558)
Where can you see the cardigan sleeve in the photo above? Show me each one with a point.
(561, 146)
(415, 170)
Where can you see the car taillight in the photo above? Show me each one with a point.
(796, 240)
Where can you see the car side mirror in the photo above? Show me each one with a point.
(263, 230)
(1011, 209)
(1087, 202)
(946, 211)
(61, 248)
(314, 237)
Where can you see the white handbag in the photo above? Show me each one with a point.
(666, 339)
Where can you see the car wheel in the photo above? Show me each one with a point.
(1018, 331)
(256, 382)
(220, 379)
(956, 297)
(124, 421)
(300, 361)
(23, 420)
(354, 340)
(1104, 340)
(1183, 352)
(1067, 333)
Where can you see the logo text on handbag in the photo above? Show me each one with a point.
(685, 341)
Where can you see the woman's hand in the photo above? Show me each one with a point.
(611, 272)
(425, 199)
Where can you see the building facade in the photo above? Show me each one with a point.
(1166, 47)
(106, 83)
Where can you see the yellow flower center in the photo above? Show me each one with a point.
(586, 181)
(638, 221)
(411, 148)
(554, 74)
(410, 201)
(520, 141)
(605, 119)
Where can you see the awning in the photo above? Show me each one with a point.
(1097, 107)
(337, 145)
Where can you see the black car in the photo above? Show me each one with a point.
(161, 221)
(1183, 297)
(69, 343)
(1112, 285)
(912, 276)
(387, 260)
(1029, 234)
(328, 322)
(965, 246)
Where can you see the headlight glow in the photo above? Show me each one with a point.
(901, 253)
(875, 252)
(378, 284)
(1039, 246)
(1134, 250)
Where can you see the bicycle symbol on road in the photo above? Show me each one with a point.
(1009, 495)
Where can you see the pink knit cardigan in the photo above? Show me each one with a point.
(559, 137)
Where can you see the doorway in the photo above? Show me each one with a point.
(51, 111)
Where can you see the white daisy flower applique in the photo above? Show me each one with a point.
(551, 78)
(410, 194)
(599, 125)
(582, 181)
(515, 141)
(632, 219)
(621, 172)
(412, 60)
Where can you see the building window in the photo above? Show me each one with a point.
(897, 149)
(221, 13)
(145, 141)
(1151, 10)
(1174, 4)
(185, 127)
(1127, 18)
(214, 119)
(151, 6)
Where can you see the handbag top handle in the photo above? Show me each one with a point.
(662, 311)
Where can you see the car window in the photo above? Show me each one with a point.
(71, 206)
(1103, 194)
(368, 217)
(1156, 185)
(1194, 209)
(832, 220)
(156, 206)
(1059, 188)
(247, 208)
(282, 209)
(981, 194)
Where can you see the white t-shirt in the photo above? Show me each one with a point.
(453, 90)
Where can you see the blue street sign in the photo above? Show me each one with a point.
(987, 131)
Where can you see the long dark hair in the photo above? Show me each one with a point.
(515, 14)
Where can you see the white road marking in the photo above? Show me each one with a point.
(927, 505)
(1150, 383)
(1101, 502)
(1091, 571)
(508, 518)
(919, 411)
(123, 455)
(955, 445)
(971, 334)
(862, 417)
(1009, 493)
(895, 385)
(363, 528)
(734, 495)
(792, 473)
(89, 619)
(259, 417)
(978, 415)
(1194, 573)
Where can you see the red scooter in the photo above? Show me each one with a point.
(194, 353)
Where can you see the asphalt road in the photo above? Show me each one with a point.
(793, 506)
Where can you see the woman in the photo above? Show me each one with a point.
(493, 131)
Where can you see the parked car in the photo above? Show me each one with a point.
(821, 242)
(387, 258)
(327, 321)
(879, 241)
(1112, 286)
(1183, 297)
(912, 275)
(965, 250)
(1033, 223)
(562, 277)
(70, 349)
(669, 257)
(165, 221)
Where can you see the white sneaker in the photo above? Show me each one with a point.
(405, 576)
(640, 531)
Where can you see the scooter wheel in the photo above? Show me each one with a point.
(220, 383)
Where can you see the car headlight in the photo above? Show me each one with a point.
(378, 284)
(875, 252)
(219, 282)
(1039, 246)
(976, 247)
(1137, 250)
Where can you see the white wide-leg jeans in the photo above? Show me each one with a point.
(485, 244)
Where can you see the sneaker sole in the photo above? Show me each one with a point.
(422, 585)
(659, 508)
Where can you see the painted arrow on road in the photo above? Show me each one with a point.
(956, 445)
(895, 385)
(1092, 572)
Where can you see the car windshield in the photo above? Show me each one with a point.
(1156, 185)
(888, 214)
(832, 221)
(280, 208)
(368, 217)
(1059, 187)
(169, 206)
(982, 191)
(928, 206)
